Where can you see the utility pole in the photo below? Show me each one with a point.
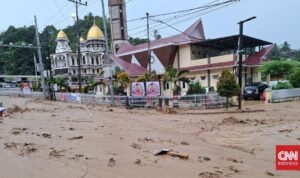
(51, 89)
(77, 3)
(41, 65)
(148, 34)
(240, 51)
(35, 68)
(108, 61)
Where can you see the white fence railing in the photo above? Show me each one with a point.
(286, 94)
(190, 101)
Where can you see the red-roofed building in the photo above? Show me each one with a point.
(204, 58)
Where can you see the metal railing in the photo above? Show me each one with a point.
(10, 92)
(285, 95)
(203, 101)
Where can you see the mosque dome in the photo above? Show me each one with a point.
(61, 35)
(82, 40)
(95, 33)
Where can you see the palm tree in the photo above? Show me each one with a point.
(174, 76)
(147, 77)
(91, 84)
(122, 81)
(61, 82)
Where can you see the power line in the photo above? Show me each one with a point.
(127, 2)
(186, 10)
(59, 9)
(58, 12)
(189, 18)
(176, 29)
(171, 18)
(183, 15)
(68, 15)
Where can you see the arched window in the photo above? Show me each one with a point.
(83, 59)
(97, 60)
(73, 61)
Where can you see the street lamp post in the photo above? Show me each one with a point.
(240, 52)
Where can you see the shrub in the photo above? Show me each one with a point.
(282, 85)
(227, 86)
(195, 88)
(295, 78)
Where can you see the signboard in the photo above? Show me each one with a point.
(70, 97)
(153, 88)
(26, 89)
(137, 89)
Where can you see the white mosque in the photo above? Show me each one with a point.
(64, 61)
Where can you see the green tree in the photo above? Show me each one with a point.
(137, 41)
(295, 78)
(122, 81)
(91, 84)
(48, 43)
(62, 83)
(11, 58)
(279, 69)
(157, 36)
(196, 88)
(227, 86)
(174, 76)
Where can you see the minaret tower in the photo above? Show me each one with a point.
(62, 43)
(118, 21)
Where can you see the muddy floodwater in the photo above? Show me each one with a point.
(54, 139)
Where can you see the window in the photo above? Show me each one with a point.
(215, 76)
(203, 77)
(83, 59)
(167, 86)
(74, 71)
(183, 85)
(93, 61)
(93, 71)
(73, 61)
(198, 52)
(98, 71)
(84, 71)
(97, 60)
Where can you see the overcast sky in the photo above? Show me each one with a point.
(277, 20)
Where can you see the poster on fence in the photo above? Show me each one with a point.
(137, 89)
(153, 88)
(63, 97)
(26, 89)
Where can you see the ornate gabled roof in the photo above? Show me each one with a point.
(193, 34)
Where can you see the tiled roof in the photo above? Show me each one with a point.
(132, 69)
(193, 34)
(259, 57)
